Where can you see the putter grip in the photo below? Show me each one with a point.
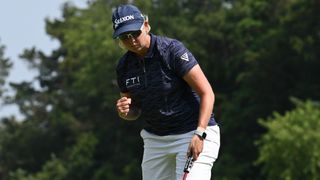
(188, 165)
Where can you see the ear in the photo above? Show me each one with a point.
(147, 26)
(121, 45)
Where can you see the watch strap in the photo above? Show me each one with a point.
(201, 134)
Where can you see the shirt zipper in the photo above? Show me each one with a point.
(144, 72)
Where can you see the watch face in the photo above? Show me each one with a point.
(204, 135)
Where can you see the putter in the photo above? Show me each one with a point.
(187, 167)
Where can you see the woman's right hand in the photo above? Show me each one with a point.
(123, 105)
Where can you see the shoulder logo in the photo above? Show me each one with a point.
(185, 57)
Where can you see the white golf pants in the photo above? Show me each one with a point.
(164, 157)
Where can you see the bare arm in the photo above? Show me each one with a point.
(198, 82)
(125, 109)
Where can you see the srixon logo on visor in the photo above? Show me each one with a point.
(123, 19)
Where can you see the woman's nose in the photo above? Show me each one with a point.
(132, 39)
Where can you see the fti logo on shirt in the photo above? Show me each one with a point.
(133, 81)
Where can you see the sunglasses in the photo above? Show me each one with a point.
(130, 35)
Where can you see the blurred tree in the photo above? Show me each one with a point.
(77, 165)
(76, 97)
(290, 148)
(5, 66)
(263, 53)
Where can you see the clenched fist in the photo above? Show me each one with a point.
(123, 105)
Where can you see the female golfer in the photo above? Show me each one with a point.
(162, 84)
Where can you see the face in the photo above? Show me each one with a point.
(136, 41)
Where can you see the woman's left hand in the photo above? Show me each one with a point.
(195, 147)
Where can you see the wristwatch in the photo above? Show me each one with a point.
(201, 134)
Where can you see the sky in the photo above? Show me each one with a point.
(22, 26)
